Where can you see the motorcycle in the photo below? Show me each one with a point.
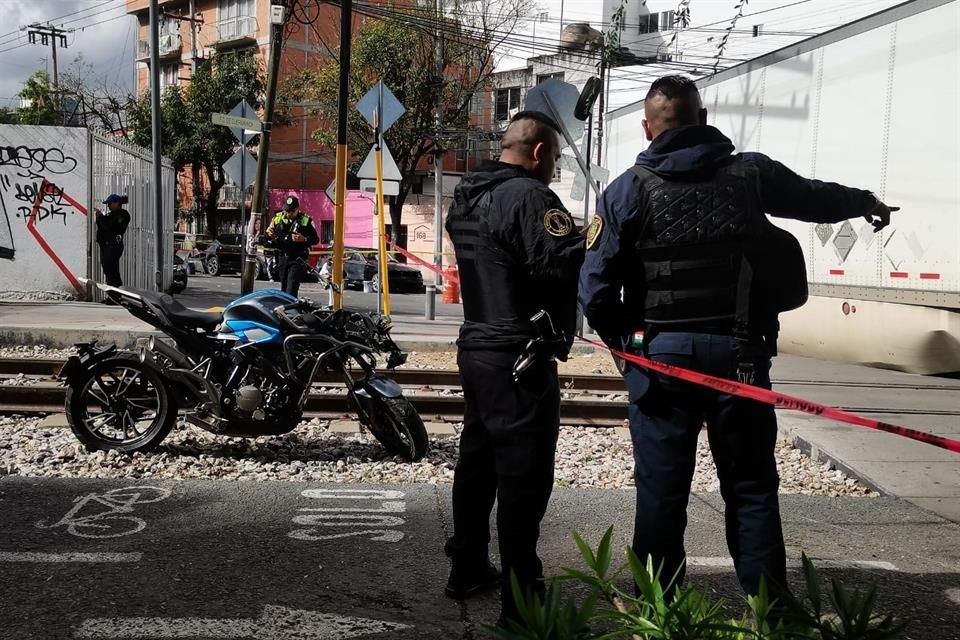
(245, 372)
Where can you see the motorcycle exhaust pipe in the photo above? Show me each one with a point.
(175, 356)
(200, 387)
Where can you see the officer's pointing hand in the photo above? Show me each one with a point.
(879, 217)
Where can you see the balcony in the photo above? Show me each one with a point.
(236, 32)
(170, 47)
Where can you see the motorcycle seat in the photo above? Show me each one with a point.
(182, 315)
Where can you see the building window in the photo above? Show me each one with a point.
(326, 232)
(236, 18)
(543, 16)
(667, 19)
(169, 75)
(757, 30)
(546, 76)
(507, 100)
(654, 22)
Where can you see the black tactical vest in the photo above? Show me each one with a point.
(710, 256)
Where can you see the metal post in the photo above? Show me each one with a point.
(346, 15)
(193, 38)
(155, 121)
(430, 303)
(263, 155)
(384, 274)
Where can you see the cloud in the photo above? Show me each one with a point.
(103, 36)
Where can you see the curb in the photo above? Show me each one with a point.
(790, 428)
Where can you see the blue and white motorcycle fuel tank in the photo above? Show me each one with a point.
(250, 318)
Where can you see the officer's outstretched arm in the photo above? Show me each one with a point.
(788, 195)
(602, 275)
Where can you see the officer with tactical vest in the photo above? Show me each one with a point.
(518, 256)
(681, 250)
(292, 233)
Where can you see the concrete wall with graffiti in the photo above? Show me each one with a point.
(43, 211)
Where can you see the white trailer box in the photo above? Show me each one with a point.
(873, 104)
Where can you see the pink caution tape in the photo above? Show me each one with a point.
(423, 263)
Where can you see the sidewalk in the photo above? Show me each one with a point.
(919, 473)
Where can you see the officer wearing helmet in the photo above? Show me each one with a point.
(292, 233)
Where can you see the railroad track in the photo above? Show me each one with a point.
(435, 406)
(449, 378)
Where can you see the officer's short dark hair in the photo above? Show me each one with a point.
(683, 95)
(528, 128)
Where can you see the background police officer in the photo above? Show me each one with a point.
(111, 227)
(518, 252)
(292, 234)
(678, 233)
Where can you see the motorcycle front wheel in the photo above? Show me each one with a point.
(398, 427)
(120, 403)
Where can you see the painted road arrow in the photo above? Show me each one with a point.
(275, 623)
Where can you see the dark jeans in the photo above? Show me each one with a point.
(290, 273)
(507, 451)
(666, 416)
(110, 253)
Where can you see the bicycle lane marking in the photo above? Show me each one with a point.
(97, 515)
(108, 514)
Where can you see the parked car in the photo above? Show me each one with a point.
(224, 255)
(359, 266)
(179, 275)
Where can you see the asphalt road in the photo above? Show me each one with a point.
(210, 559)
(205, 291)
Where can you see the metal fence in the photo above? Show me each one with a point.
(123, 168)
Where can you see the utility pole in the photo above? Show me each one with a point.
(437, 286)
(155, 123)
(346, 20)
(193, 38)
(51, 35)
(278, 15)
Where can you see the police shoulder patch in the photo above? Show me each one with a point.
(593, 231)
(557, 222)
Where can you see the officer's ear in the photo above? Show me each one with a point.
(537, 151)
(646, 130)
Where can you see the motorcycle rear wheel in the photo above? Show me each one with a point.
(399, 428)
(120, 403)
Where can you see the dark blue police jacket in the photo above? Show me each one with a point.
(690, 152)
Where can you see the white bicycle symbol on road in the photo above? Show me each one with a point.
(107, 521)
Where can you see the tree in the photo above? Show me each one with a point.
(189, 137)
(91, 101)
(399, 46)
(42, 109)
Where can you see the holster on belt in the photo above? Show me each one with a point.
(547, 344)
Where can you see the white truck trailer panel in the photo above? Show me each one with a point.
(874, 105)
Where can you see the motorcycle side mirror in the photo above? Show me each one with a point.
(588, 96)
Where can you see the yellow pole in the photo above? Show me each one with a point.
(341, 199)
(384, 280)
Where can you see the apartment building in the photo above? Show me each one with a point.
(192, 30)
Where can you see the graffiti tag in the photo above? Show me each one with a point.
(37, 160)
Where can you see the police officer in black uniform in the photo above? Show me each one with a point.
(704, 274)
(518, 253)
(111, 226)
(292, 233)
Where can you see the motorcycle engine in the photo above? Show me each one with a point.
(249, 398)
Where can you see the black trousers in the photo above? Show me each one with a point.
(110, 253)
(290, 273)
(666, 417)
(507, 452)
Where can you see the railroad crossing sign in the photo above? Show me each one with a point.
(241, 168)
